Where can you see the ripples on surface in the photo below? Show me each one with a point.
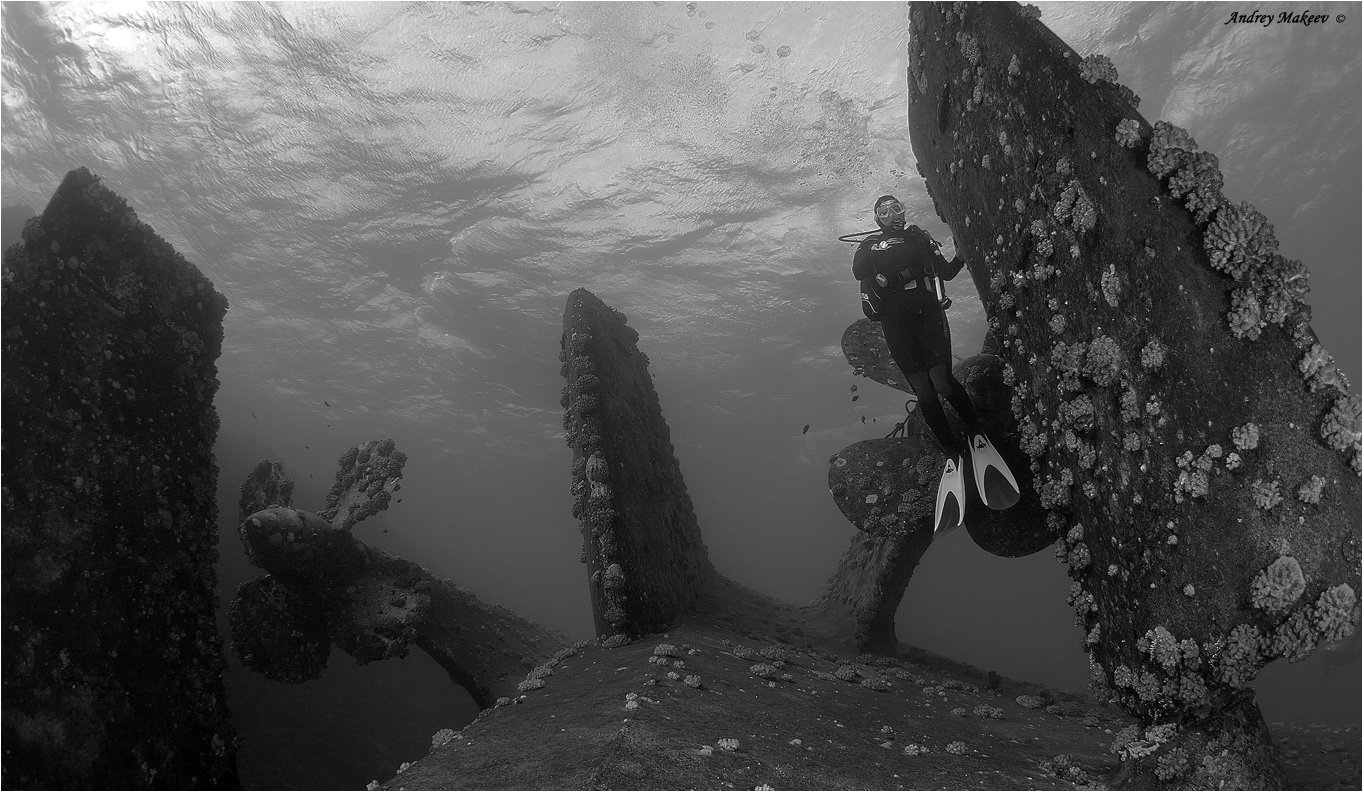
(396, 200)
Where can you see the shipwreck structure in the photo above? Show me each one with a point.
(322, 586)
(648, 569)
(113, 662)
(1209, 526)
(1210, 523)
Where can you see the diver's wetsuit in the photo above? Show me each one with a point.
(914, 324)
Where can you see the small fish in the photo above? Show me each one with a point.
(853, 389)
(856, 397)
(864, 419)
(399, 501)
(253, 414)
(328, 425)
(307, 446)
(807, 429)
(385, 531)
(325, 402)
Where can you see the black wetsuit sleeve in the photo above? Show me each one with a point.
(947, 270)
(863, 266)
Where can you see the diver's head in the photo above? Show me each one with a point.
(890, 213)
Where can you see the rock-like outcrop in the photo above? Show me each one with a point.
(325, 587)
(1188, 434)
(112, 661)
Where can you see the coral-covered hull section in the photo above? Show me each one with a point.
(112, 663)
(648, 563)
(1176, 479)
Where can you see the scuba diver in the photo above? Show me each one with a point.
(901, 271)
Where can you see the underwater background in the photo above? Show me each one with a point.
(396, 200)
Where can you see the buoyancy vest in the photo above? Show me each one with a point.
(911, 253)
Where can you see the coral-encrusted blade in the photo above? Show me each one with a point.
(277, 632)
(885, 486)
(266, 486)
(368, 476)
(865, 348)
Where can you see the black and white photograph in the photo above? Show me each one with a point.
(680, 395)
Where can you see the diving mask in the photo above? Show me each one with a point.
(889, 210)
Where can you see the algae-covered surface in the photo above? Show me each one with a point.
(937, 725)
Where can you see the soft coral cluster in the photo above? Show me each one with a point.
(1199, 183)
(1171, 148)
(1278, 586)
(1239, 240)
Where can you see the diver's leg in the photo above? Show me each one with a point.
(933, 414)
(955, 393)
(902, 338)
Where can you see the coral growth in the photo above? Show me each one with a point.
(1341, 426)
(1266, 495)
(1246, 437)
(1128, 133)
(1236, 658)
(1194, 473)
(1171, 147)
(366, 477)
(1153, 355)
(1319, 370)
(1098, 67)
(1310, 492)
(1199, 183)
(1246, 318)
(1239, 240)
(1075, 208)
(1103, 361)
(1278, 586)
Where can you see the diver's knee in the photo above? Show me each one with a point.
(941, 379)
(923, 386)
